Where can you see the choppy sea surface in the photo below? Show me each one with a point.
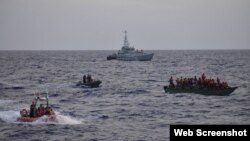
(130, 105)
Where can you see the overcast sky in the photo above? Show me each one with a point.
(98, 24)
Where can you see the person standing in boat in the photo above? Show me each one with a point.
(33, 109)
(88, 78)
(218, 82)
(84, 79)
(203, 77)
(171, 85)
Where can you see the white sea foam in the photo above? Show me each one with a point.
(63, 119)
(60, 119)
(11, 117)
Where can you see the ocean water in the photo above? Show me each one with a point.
(130, 105)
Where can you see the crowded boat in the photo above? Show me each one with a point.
(200, 84)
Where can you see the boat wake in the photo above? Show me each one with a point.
(63, 119)
(11, 117)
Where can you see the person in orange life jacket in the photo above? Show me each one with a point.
(40, 111)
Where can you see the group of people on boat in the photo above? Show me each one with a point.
(35, 112)
(87, 78)
(200, 82)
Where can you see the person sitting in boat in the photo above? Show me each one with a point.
(49, 111)
(84, 79)
(190, 82)
(224, 85)
(24, 113)
(40, 111)
(185, 82)
(33, 109)
(178, 83)
(195, 80)
(181, 81)
(213, 83)
(199, 81)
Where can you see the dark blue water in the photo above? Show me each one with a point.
(129, 105)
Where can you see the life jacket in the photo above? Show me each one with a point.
(40, 112)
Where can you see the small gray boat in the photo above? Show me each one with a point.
(129, 53)
(93, 84)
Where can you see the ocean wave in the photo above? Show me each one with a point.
(4, 102)
(138, 91)
(10, 86)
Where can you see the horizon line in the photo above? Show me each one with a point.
(112, 49)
